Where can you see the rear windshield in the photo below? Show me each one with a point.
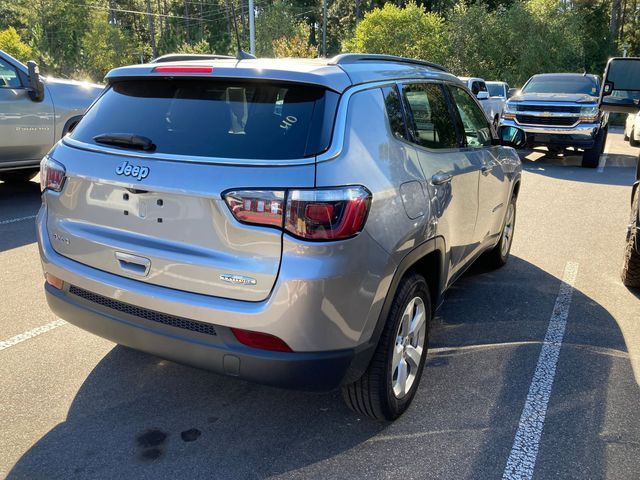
(228, 119)
(562, 84)
(496, 89)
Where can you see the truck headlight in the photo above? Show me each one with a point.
(509, 111)
(589, 114)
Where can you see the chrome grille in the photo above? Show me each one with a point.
(554, 121)
(547, 108)
(140, 312)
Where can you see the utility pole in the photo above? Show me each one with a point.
(324, 28)
(152, 30)
(252, 29)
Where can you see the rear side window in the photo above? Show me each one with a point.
(221, 118)
(394, 112)
(476, 127)
(430, 123)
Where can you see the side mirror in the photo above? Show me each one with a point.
(36, 87)
(482, 95)
(621, 86)
(512, 136)
(512, 92)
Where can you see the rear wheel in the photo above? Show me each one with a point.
(591, 157)
(632, 139)
(18, 176)
(389, 384)
(499, 256)
(631, 265)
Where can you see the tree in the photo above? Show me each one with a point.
(410, 32)
(11, 43)
(296, 45)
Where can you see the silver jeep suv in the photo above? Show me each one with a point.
(289, 222)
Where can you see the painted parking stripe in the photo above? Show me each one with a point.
(19, 219)
(10, 342)
(602, 162)
(522, 459)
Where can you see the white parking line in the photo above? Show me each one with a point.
(10, 342)
(602, 162)
(522, 459)
(19, 219)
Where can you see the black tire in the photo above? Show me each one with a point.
(591, 157)
(631, 266)
(372, 394)
(498, 256)
(626, 137)
(18, 176)
(633, 142)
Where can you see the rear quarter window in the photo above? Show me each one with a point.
(221, 118)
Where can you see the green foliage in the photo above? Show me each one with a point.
(409, 32)
(296, 45)
(104, 46)
(496, 39)
(11, 43)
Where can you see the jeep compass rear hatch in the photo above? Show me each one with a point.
(166, 179)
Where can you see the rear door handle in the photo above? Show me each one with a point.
(486, 169)
(441, 178)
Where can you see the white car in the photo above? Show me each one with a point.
(632, 129)
(492, 106)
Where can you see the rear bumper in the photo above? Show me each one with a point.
(581, 136)
(219, 352)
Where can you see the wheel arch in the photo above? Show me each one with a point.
(427, 259)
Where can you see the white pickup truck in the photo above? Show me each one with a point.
(492, 106)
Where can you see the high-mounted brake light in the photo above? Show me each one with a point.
(52, 175)
(183, 69)
(314, 214)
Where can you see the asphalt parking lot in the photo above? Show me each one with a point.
(73, 405)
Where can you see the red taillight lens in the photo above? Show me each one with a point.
(259, 207)
(320, 214)
(52, 175)
(183, 69)
(331, 214)
(263, 341)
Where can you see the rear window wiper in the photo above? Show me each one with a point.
(125, 140)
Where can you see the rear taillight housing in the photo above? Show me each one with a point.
(258, 207)
(52, 175)
(321, 214)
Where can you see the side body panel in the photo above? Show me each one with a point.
(371, 156)
(27, 129)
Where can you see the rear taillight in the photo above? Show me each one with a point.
(52, 175)
(259, 207)
(314, 214)
(263, 341)
(327, 214)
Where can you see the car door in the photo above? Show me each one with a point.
(479, 147)
(452, 175)
(26, 127)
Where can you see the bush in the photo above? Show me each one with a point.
(11, 43)
(408, 32)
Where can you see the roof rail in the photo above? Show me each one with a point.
(181, 57)
(350, 58)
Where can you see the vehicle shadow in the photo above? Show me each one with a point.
(19, 203)
(619, 168)
(139, 416)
